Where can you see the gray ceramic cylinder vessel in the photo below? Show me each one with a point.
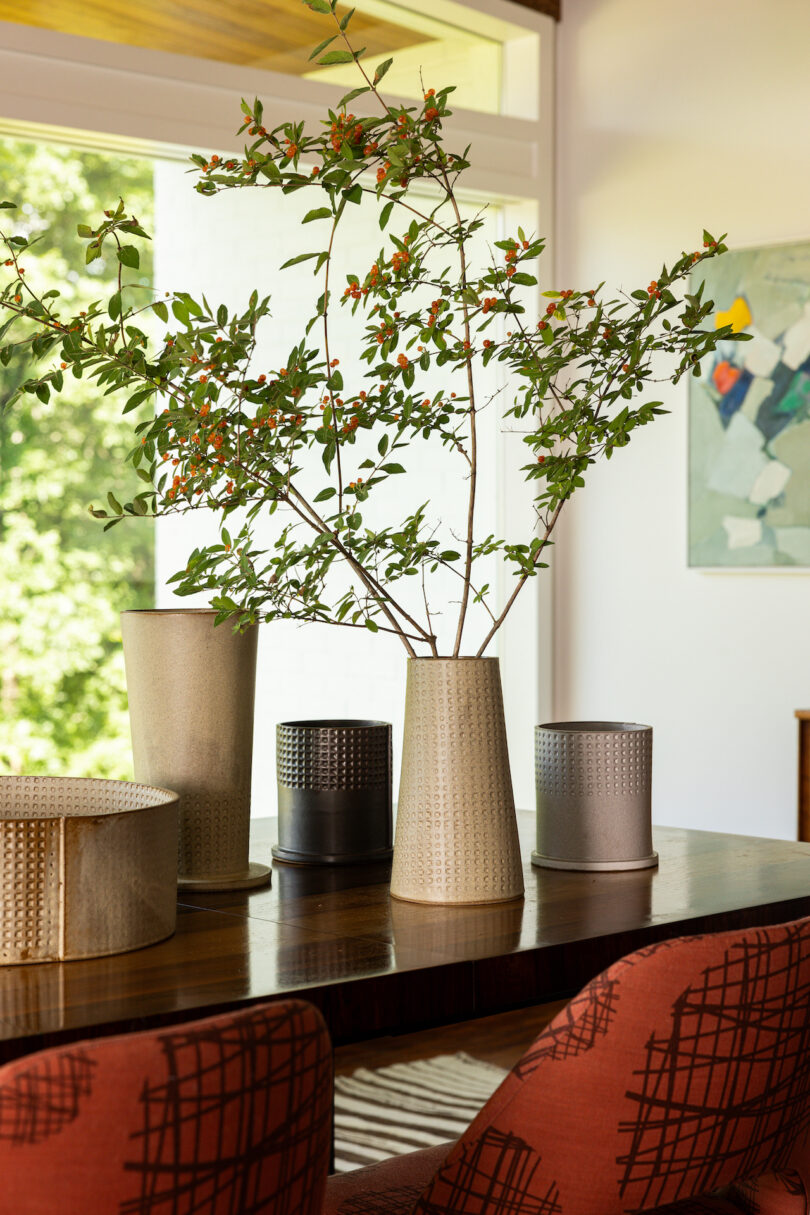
(456, 835)
(191, 692)
(334, 792)
(593, 783)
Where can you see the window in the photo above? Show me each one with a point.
(493, 61)
(62, 701)
(161, 106)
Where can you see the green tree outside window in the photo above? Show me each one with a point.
(62, 580)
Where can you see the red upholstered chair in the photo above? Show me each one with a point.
(683, 1068)
(226, 1116)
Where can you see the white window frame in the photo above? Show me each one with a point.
(102, 94)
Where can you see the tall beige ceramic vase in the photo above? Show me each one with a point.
(191, 691)
(456, 832)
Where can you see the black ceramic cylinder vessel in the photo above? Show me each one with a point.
(334, 792)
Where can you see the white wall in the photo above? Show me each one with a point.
(672, 118)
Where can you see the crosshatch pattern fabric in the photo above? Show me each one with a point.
(679, 1079)
(226, 1116)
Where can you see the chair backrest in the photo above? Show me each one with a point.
(682, 1068)
(226, 1116)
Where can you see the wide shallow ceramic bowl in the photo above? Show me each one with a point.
(87, 867)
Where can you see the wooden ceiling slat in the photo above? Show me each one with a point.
(552, 8)
(277, 34)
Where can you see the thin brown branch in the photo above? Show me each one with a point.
(524, 577)
(468, 559)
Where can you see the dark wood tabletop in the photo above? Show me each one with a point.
(375, 965)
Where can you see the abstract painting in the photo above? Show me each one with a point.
(749, 415)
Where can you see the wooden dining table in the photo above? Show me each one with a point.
(375, 965)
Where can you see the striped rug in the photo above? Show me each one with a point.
(406, 1106)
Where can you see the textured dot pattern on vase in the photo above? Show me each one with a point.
(29, 885)
(600, 763)
(31, 797)
(333, 757)
(214, 833)
(456, 833)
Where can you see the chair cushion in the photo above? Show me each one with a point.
(389, 1188)
(393, 1187)
(770, 1194)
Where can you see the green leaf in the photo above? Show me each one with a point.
(450, 554)
(347, 97)
(93, 252)
(325, 494)
(393, 468)
(114, 306)
(355, 194)
(372, 625)
(318, 213)
(381, 70)
(382, 446)
(128, 255)
(386, 213)
(336, 57)
(323, 45)
(302, 257)
(344, 21)
(85, 231)
(10, 206)
(115, 505)
(318, 6)
(160, 310)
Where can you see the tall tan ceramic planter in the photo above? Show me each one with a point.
(191, 691)
(456, 834)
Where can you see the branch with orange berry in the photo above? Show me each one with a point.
(298, 438)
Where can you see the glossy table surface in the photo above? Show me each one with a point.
(375, 965)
